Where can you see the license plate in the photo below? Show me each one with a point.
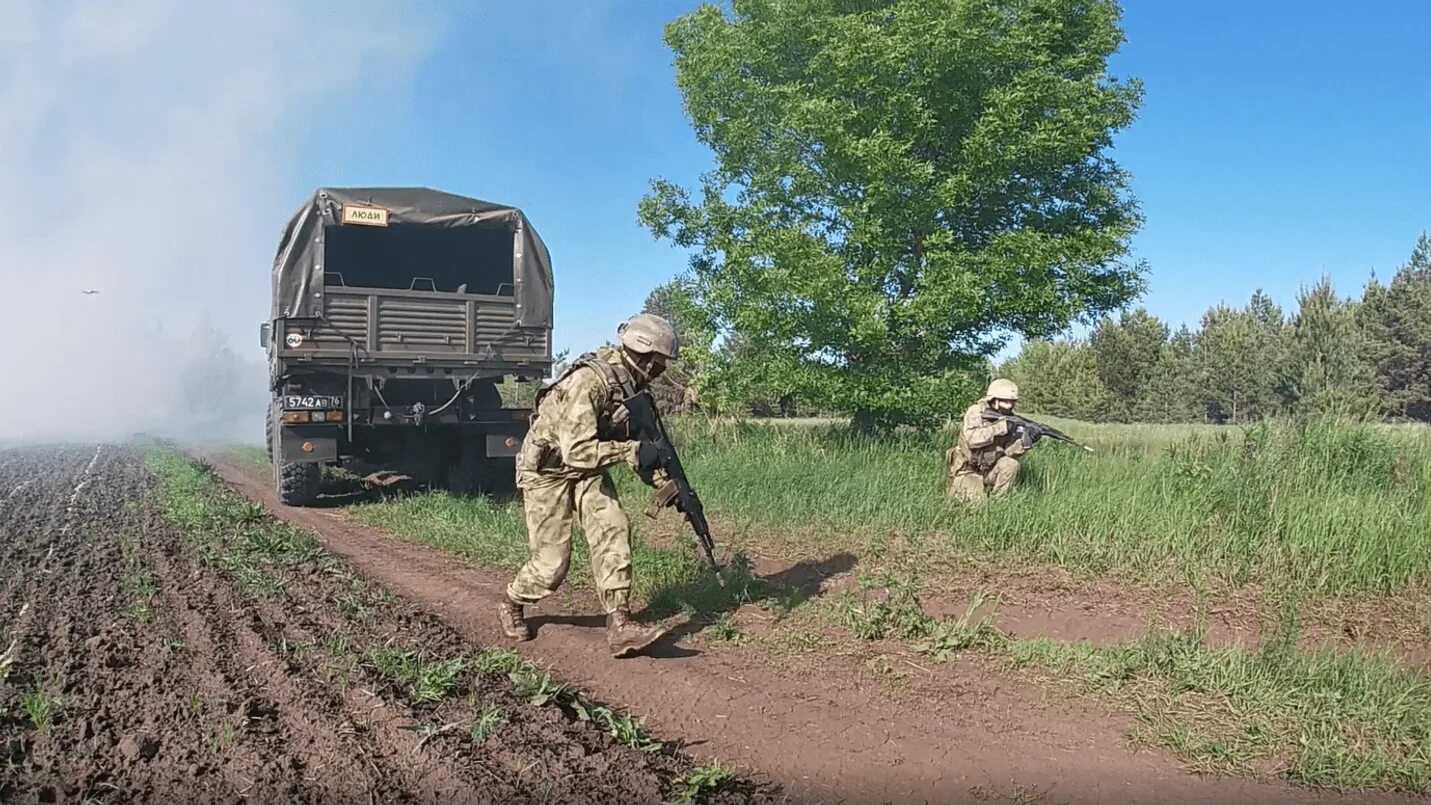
(311, 402)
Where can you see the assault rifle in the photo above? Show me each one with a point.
(656, 452)
(1034, 430)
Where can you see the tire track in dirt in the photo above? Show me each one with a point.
(820, 730)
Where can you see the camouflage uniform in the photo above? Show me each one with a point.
(578, 434)
(986, 457)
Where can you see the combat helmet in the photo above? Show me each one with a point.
(1002, 389)
(646, 333)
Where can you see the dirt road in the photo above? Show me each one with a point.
(144, 663)
(820, 728)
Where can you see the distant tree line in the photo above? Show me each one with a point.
(1369, 356)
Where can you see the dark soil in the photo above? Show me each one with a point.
(177, 672)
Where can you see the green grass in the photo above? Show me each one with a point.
(1336, 719)
(424, 679)
(42, 704)
(1305, 509)
(492, 533)
(704, 781)
(1322, 507)
(253, 458)
(242, 538)
(227, 531)
(487, 722)
(1350, 719)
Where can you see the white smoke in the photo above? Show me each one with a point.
(145, 150)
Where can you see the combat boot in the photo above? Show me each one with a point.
(514, 624)
(626, 637)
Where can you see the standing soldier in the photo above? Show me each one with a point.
(987, 455)
(579, 431)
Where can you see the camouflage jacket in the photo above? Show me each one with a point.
(579, 427)
(983, 443)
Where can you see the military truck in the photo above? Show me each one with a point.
(396, 313)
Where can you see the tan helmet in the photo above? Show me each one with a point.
(647, 332)
(1002, 389)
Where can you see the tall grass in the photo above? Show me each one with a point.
(1327, 506)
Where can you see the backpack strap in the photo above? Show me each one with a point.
(617, 381)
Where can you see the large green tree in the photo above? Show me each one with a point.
(1173, 392)
(899, 186)
(678, 388)
(1242, 356)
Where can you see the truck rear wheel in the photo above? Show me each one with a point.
(473, 473)
(298, 483)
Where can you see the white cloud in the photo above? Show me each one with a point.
(144, 150)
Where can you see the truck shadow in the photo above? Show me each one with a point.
(341, 489)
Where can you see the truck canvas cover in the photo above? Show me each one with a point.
(298, 278)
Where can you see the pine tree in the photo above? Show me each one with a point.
(1128, 354)
(1327, 370)
(1396, 323)
(1173, 392)
(1242, 360)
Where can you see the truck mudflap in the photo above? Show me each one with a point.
(308, 444)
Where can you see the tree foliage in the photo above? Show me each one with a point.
(899, 186)
(1396, 322)
(1059, 378)
(1326, 368)
(678, 388)
(1347, 356)
(1242, 355)
(1128, 353)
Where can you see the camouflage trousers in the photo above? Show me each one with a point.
(968, 484)
(553, 506)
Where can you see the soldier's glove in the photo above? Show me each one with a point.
(648, 462)
(648, 458)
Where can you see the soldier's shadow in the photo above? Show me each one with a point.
(783, 590)
(704, 601)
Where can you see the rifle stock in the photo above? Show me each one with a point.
(647, 425)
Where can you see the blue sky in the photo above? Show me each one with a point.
(1278, 141)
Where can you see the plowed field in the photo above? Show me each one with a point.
(181, 646)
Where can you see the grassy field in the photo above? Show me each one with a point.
(1304, 511)
(1321, 508)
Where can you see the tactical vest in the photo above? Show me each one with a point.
(617, 385)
